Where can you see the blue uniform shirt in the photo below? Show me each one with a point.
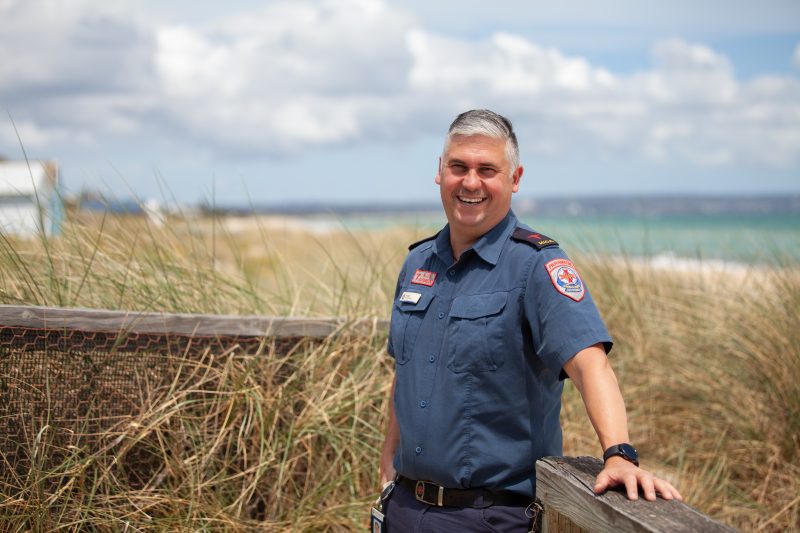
(479, 347)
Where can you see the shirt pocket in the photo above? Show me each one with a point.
(475, 333)
(406, 320)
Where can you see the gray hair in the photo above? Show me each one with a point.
(490, 124)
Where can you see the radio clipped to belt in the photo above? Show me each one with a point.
(377, 521)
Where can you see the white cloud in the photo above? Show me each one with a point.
(502, 64)
(79, 67)
(690, 74)
(294, 75)
(287, 76)
(688, 107)
(35, 138)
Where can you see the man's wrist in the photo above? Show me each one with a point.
(624, 451)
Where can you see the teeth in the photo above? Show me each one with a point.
(470, 200)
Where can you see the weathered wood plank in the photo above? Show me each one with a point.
(100, 320)
(558, 523)
(564, 485)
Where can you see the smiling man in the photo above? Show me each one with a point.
(489, 317)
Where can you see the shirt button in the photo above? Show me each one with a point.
(423, 404)
(440, 315)
(451, 272)
(432, 358)
(418, 449)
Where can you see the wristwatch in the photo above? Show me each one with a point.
(624, 450)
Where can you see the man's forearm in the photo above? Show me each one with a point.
(594, 378)
(390, 442)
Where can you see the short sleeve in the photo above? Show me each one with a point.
(400, 280)
(560, 311)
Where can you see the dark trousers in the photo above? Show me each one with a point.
(404, 514)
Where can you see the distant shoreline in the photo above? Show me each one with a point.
(690, 243)
(552, 206)
(600, 205)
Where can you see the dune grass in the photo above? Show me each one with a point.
(709, 366)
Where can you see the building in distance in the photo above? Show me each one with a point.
(30, 202)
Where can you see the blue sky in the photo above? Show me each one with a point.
(346, 101)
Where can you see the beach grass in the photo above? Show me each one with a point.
(709, 365)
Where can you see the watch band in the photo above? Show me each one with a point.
(624, 450)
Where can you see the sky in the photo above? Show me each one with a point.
(347, 101)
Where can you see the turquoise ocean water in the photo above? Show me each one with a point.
(749, 239)
(736, 238)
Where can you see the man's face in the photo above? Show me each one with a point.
(476, 184)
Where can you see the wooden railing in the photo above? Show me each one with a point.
(176, 325)
(84, 370)
(564, 487)
(80, 364)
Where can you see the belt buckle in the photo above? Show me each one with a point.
(419, 493)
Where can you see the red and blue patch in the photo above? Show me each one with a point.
(565, 279)
(424, 277)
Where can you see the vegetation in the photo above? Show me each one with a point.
(288, 440)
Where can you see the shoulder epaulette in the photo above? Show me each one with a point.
(422, 241)
(535, 239)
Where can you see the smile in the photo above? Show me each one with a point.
(470, 200)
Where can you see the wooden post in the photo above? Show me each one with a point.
(564, 486)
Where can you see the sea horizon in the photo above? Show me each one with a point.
(633, 203)
(719, 240)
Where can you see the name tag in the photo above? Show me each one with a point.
(410, 297)
(376, 521)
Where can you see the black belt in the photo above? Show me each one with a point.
(433, 494)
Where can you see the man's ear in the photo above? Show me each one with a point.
(438, 178)
(516, 177)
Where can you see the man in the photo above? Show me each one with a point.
(489, 317)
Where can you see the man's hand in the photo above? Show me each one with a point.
(617, 471)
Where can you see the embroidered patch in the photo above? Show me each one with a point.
(410, 297)
(566, 279)
(424, 277)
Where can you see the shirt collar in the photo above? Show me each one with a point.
(488, 247)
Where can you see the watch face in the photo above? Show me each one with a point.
(629, 451)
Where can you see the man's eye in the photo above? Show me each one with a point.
(488, 172)
(458, 169)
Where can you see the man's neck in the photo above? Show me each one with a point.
(461, 245)
(461, 241)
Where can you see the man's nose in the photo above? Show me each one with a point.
(472, 180)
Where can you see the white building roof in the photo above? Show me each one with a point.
(15, 177)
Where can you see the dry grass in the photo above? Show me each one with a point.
(275, 441)
(256, 266)
(710, 369)
(709, 365)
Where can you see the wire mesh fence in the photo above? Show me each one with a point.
(79, 383)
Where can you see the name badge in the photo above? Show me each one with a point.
(410, 297)
(376, 521)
